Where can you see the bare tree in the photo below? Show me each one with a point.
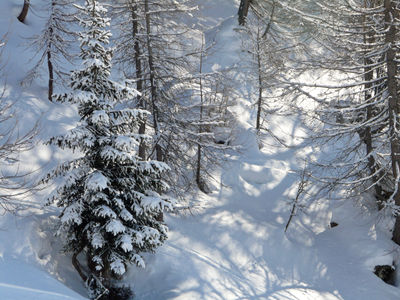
(162, 55)
(53, 45)
(14, 184)
(359, 107)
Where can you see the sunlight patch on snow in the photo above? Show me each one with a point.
(304, 294)
(271, 174)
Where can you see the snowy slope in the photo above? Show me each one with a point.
(231, 244)
(21, 281)
(234, 247)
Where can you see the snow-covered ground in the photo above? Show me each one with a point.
(231, 244)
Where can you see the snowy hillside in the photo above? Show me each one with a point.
(231, 243)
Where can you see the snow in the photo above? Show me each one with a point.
(126, 243)
(97, 240)
(36, 284)
(72, 215)
(231, 244)
(96, 182)
(117, 266)
(115, 227)
(100, 117)
(105, 211)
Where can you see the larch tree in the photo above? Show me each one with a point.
(110, 197)
(151, 49)
(269, 43)
(359, 50)
(14, 140)
(53, 44)
(162, 53)
(265, 60)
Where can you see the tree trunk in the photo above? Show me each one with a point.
(139, 77)
(243, 11)
(51, 76)
(153, 88)
(390, 39)
(77, 266)
(24, 11)
(198, 169)
(260, 79)
(367, 135)
(50, 68)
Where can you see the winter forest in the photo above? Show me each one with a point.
(200, 149)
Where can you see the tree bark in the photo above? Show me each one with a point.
(390, 39)
(260, 79)
(243, 11)
(24, 11)
(198, 169)
(259, 63)
(139, 77)
(367, 136)
(50, 68)
(77, 266)
(153, 88)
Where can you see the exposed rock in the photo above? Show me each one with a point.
(386, 273)
(333, 224)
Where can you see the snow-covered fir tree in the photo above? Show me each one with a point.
(110, 197)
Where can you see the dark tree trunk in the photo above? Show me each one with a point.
(259, 64)
(243, 11)
(198, 169)
(390, 39)
(153, 87)
(260, 80)
(153, 90)
(367, 135)
(139, 76)
(77, 266)
(50, 68)
(24, 11)
(51, 75)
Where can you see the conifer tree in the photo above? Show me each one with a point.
(110, 198)
(162, 52)
(359, 108)
(52, 45)
(15, 184)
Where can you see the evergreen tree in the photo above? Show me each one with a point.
(110, 197)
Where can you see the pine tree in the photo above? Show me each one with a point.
(110, 198)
